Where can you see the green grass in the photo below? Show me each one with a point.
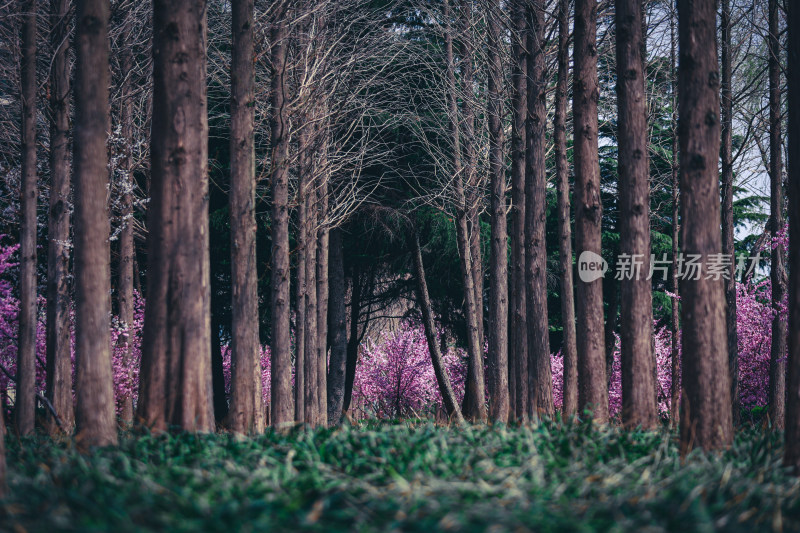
(402, 477)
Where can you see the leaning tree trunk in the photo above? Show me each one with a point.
(792, 434)
(25, 403)
(498, 269)
(540, 392)
(706, 416)
(777, 364)
(424, 301)
(126, 250)
(175, 386)
(592, 390)
(675, 391)
(728, 250)
(518, 337)
(281, 358)
(636, 342)
(95, 420)
(247, 406)
(476, 410)
(59, 360)
(337, 328)
(568, 348)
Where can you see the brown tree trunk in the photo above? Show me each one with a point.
(592, 390)
(777, 364)
(568, 349)
(540, 392)
(706, 416)
(59, 361)
(281, 391)
(792, 434)
(311, 356)
(126, 250)
(323, 246)
(25, 404)
(300, 296)
(636, 339)
(94, 416)
(337, 327)
(247, 406)
(727, 207)
(424, 302)
(675, 392)
(498, 269)
(518, 337)
(175, 386)
(476, 410)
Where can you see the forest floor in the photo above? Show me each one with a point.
(403, 477)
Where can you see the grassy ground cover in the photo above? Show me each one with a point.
(402, 477)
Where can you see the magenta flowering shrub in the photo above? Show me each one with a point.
(395, 377)
(126, 365)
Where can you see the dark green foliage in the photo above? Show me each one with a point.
(401, 477)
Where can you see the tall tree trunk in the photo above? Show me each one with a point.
(636, 339)
(337, 328)
(323, 247)
(353, 341)
(592, 390)
(518, 337)
(175, 387)
(777, 364)
(126, 250)
(25, 404)
(247, 405)
(706, 417)
(792, 434)
(59, 359)
(94, 385)
(311, 357)
(675, 392)
(300, 294)
(424, 302)
(540, 392)
(498, 270)
(281, 391)
(568, 348)
(727, 207)
(476, 410)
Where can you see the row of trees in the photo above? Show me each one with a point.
(329, 123)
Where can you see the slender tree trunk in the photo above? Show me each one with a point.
(175, 387)
(311, 356)
(592, 390)
(323, 248)
(638, 362)
(706, 417)
(247, 405)
(59, 359)
(727, 207)
(568, 348)
(540, 392)
(675, 392)
(281, 391)
(423, 300)
(476, 410)
(25, 404)
(300, 295)
(518, 338)
(126, 250)
(792, 434)
(353, 341)
(498, 270)
(94, 385)
(777, 364)
(338, 328)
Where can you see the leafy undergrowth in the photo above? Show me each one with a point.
(402, 477)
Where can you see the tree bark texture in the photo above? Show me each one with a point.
(337, 328)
